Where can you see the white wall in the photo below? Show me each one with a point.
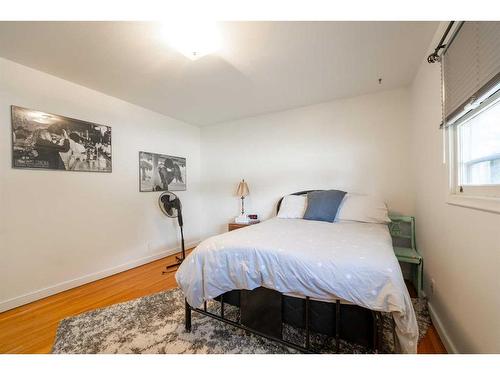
(360, 145)
(60, 229)
(461, 246)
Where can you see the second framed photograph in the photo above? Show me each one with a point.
(158, 172)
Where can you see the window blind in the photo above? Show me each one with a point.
(471, 67)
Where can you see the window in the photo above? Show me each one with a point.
(478, 152)
(471, 113)
(476, 148)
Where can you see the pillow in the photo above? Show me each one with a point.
(293, 207)
(323, 205)
(363, 208)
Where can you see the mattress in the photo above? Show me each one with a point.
(324, 261)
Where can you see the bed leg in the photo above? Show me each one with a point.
(187, 316)
(337, 326)
(282, 307)
(222, 306)
(307, 324)
(375, 332)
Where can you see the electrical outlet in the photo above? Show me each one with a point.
(433, 285)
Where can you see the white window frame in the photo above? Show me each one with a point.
(481, 197)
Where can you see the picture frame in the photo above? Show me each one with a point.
(159, 172)
(45, 141)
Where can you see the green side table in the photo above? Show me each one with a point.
(402, 230)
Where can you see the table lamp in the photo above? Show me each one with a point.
(242, 192)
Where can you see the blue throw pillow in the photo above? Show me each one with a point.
(323, 205)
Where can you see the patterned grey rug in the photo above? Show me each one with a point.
(155, 324)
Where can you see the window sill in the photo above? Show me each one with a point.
(478, 203)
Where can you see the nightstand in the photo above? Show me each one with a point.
(233, 226)
(402, 230)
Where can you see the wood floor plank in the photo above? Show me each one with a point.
(31, 328)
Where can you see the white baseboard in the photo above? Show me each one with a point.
(445, 338)
(61, 287)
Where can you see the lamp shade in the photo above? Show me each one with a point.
(242, 189)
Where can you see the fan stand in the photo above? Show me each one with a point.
(178, 260)
(175, 203)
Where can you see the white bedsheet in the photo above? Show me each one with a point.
(350, 260)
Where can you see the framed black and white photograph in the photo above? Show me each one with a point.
(159, 172)
(42, 140)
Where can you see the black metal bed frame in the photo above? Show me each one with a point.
(377, 319)
(306, 348)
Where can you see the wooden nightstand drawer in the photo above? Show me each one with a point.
(233, 226)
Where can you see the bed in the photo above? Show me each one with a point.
(339, 264)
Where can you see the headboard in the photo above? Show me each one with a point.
(297, 193)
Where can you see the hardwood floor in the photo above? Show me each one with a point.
(31, 328)
(431, 343)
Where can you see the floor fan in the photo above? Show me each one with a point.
(171, 206)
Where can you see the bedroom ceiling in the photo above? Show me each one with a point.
(262, 67)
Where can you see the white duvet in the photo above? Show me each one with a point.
(350, 260)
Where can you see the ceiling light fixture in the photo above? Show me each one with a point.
(193, 39)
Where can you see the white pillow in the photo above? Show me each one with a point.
(293, 207)
(363, 208)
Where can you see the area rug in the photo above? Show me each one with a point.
(155, 324)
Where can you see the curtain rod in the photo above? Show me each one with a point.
(434, 57)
